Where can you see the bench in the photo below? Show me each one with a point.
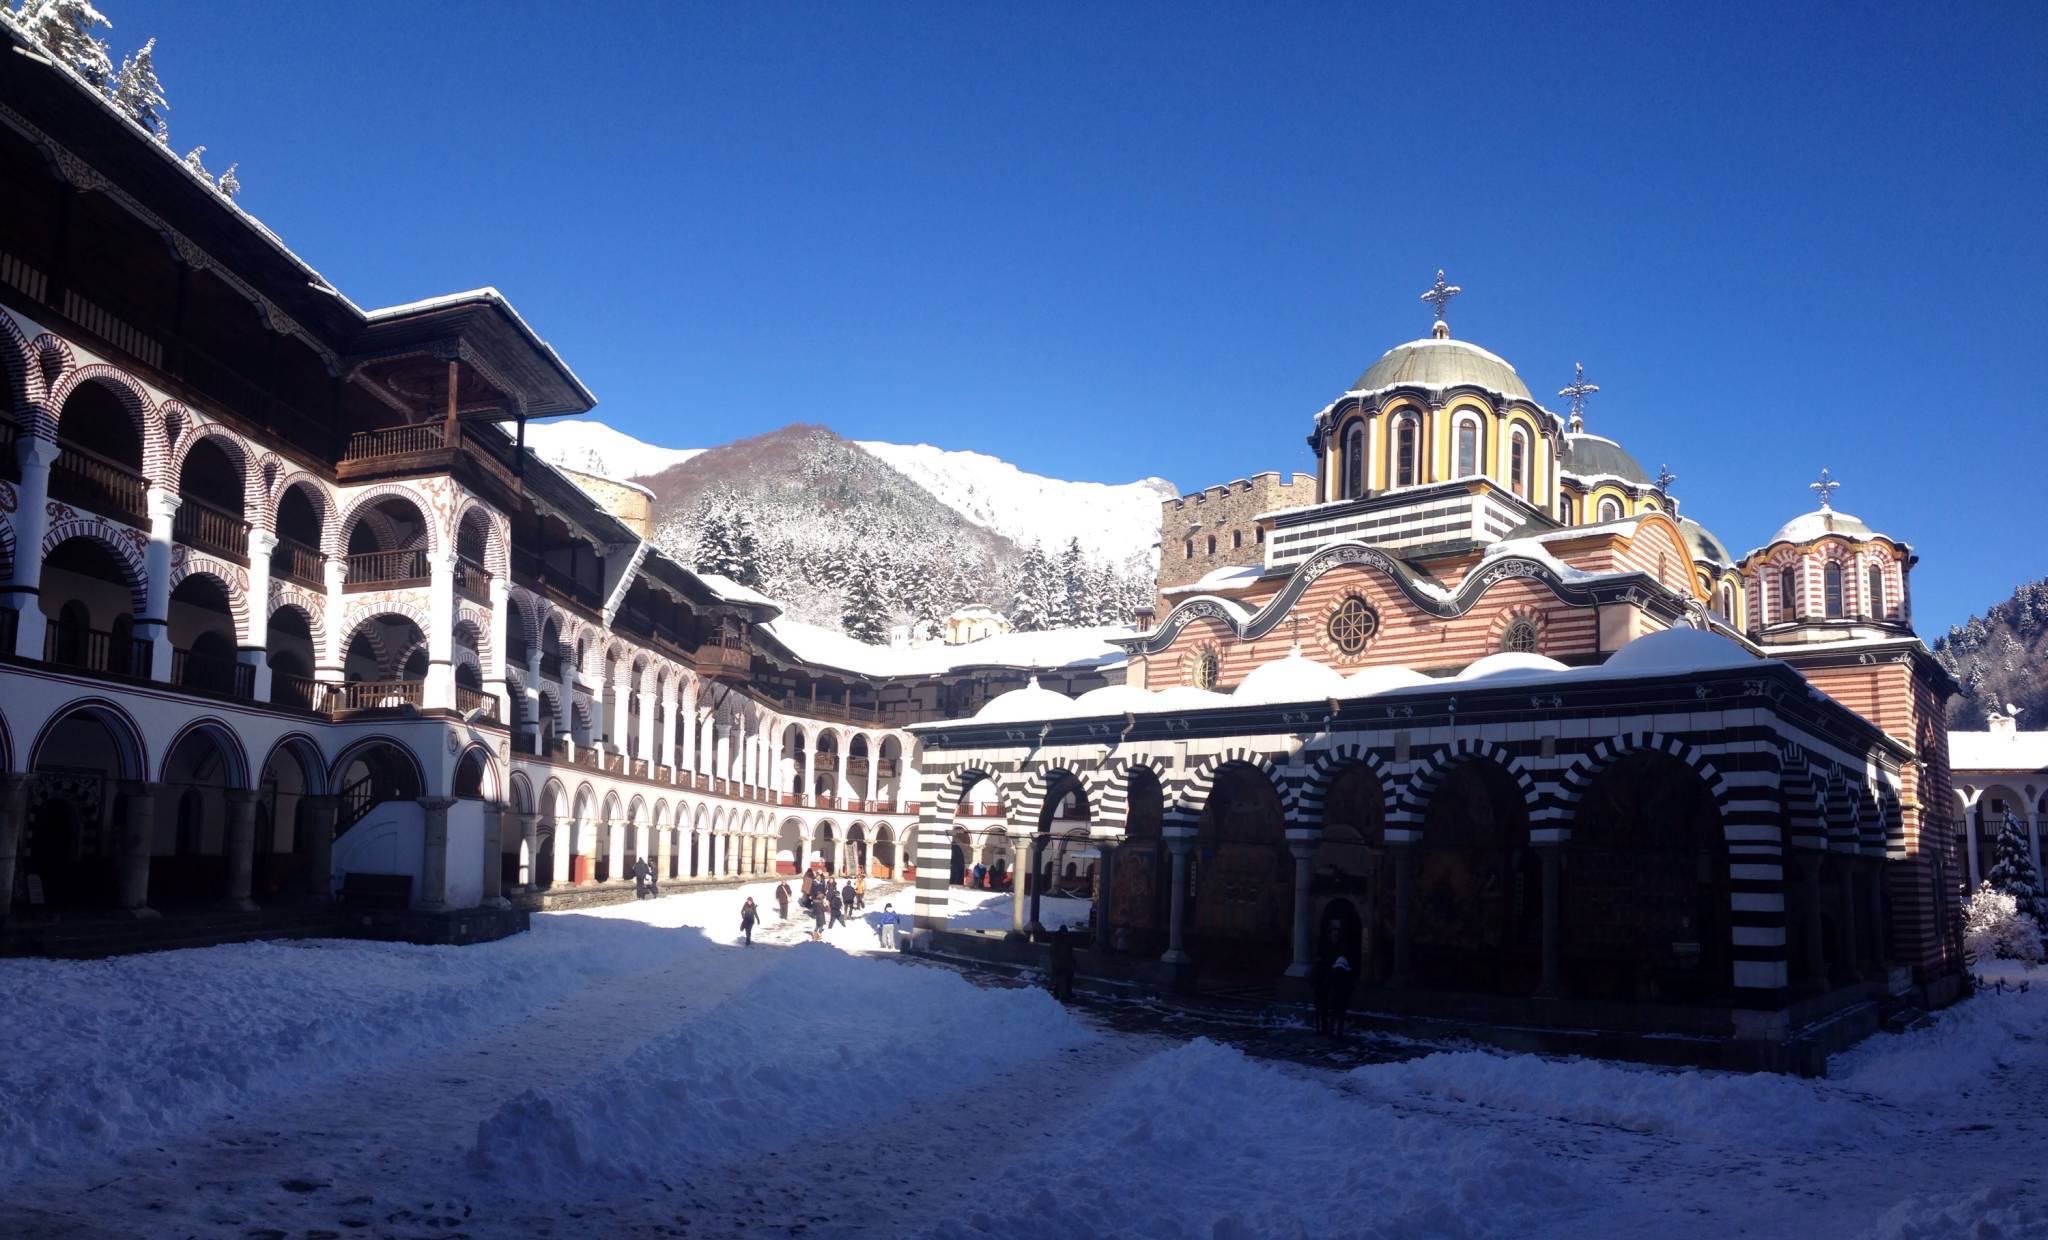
(360, 890)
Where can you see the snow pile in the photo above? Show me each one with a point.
(1688, 1105)
(1965, 1046)
(1993, 1211)
(148, 1045)
(1202, 1141)
(813, 1040)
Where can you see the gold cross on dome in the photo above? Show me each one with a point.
(1825, 488)
(1578, 389)
(1440, 294)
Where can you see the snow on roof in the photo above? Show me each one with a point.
(1217, 578)
(1030, 702)
(1295, 678)
(1051, 649)
(489, 296)
(1823, 523)
(733, 592)
(1989, 751)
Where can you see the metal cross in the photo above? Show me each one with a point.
(1665, 478)
(1825, 488)
(1579, 390)
(1441, 294)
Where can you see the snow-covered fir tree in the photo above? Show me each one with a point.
(1075, 598)
(1994, 928)
(1035, 604)
(64, 30)
(137, 92)
(865, 615)
(2013, 874)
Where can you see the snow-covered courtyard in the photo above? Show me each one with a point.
(637, 1071)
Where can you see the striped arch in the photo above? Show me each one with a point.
(234, 445)
(636, 809)
(515, 691)
(313, 605)
(552, 717)
(954, 792)
(496, 561)
(1572, 785)
(1038, 787)
(9, 501)
(1194, 794)
(520, 790)
(323, 503)
(1305, 804)
(360, 504)
(554, 797)
(124, 544)
(1110, 794)
(467, 613)
(21, 366)
(355, 616)
(1842, 801)
(491, 787)
(1891, 814)
(1423, 784)
(528, 609)
(141, 410)
(233, 579)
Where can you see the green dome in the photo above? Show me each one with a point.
(1443, 364)
(1703, 543)
(1591, 456)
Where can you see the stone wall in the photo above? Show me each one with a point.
(1216, 527)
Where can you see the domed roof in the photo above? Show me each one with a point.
(1295, 678)
(1678, 650)
(1703, 543)
(1821, 522)
(1025, 705)
(1367, 681)
(1442, 364)
(1510, 663)
(1187, 697)
(1589, 456)
(1112, 700)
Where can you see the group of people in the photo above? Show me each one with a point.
(644, 885)
(827, 903)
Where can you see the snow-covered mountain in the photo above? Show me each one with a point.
(1117, 524)
(594, 448)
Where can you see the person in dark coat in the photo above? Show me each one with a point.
(817, 919)
(980, 871)
(838, 909)
(848, 897)
(748, 916)
(782, 899)
(653, 878)
(1061, 975)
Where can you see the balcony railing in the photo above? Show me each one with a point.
(373, 695)
(716, 660)
(210, 528)
(296, 692)
(393, 441)
(468, 699)
(94, 482)
(298, 562)
(473, 580)
(95, 651)
(212, 673)
(387, 567)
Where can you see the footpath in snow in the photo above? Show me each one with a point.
(637, 1071)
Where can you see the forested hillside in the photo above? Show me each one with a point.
(1999, 659)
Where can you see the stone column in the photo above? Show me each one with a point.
(874, 768)
(138, 836)
(31, 521)
(438, 693)
(1304, 850)
(241, 841)
(320, 816)
(494, 855)
(1816, 958)
(13, 817)
(1180, 843)
(1105, 893)
(533, 702)
(499, 658)
(1880, 931)
(433, 895)
(256, 642)
(621, 727)
(808, 794)
(155, 626)
(1552, 858)
(1403, 855)
(1846, 950)
(1971, 822)
(1020, 871)
(529, 835)
(667, 755)
(331, 658)
(686, 712)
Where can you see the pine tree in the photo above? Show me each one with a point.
(137, 92)
(1072, 604)
(714, 540)
(1031, 610)
(746, 550)
(64, 29)
(865, 616)
(2013, 873)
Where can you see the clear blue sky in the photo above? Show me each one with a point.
(1106, 241)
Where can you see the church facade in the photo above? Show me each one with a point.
(1487, 716)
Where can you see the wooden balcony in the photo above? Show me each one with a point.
(473, 581)
(93, 650)
(387, 568)
(220, 675)
(468, 700)
(421, 448)
(98, 484)
(730, 662)
(295, 561)
(212, 529)
(374, 695)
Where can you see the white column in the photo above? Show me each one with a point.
(670, 713)
(650, 744)
(256, 641)
(874, 765)
(1181, 842)
(327, 662)
(686, 710)
(1304, 850)
(439, 690)
(808, 794)
(621, 730)
(31, 521)
(533, 698)
(496, 662)
(596, 712)
(163, 509)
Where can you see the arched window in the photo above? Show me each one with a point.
(1212, 544)
(1788, 593)
(1727, 607)
(1405, 437)
(1831, 582)
(1873, 602)
(1567, 511)
(1354, 460)
(1468, 447)
(1518, 462)
(1191, 549)
(1207, 669)
(1610, 509)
